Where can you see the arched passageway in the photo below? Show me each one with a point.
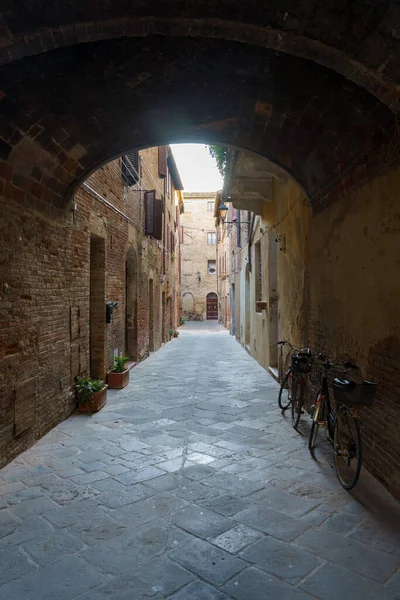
(312, 90)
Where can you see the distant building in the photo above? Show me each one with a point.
(198, 254)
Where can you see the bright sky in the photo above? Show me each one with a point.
(197, 169)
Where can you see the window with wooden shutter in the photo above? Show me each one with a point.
(130, 168)
(158, 219)
(149, 200)
(162, 161)
(168, 240)
(181, 234)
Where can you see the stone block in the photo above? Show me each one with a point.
(207, 561)
(253, 584)
(281, 559)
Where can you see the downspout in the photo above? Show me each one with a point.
(249, 242)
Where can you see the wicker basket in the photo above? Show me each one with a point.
(352, 393)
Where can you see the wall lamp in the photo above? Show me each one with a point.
(198, 276)
(223, 209)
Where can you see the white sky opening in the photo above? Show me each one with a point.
(197, 169)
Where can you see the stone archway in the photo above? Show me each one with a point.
(295, 89)
(131, 304)
(187, 303)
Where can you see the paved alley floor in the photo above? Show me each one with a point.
(191, 485)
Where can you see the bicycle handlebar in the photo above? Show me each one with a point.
(333, 363)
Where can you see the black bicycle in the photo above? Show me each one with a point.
(342, 426)
(292, 391)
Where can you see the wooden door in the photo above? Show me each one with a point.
(212, 307)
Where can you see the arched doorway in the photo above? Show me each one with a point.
(187, 303)
(131, 305)
(212, 306)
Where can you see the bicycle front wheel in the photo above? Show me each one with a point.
(297, 402)
(199, 317)
(316, 416)
(285, 393)
(347, 448)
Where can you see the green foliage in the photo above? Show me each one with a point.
(171, 332)
(119, 363)
(86, 386)
(219, 154)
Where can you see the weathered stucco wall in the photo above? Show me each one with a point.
(354, 262)
(338, 291)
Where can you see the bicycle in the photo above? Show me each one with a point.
(194, 317)
(342, 429)
(292, 389)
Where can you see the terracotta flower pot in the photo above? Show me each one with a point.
(117, 381)
(98, 401)
(261, 305)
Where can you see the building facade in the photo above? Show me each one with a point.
(319, 280)
(102, 280)
(199, 259)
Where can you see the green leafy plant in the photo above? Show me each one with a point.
(119, 363)
(181, 320)
(86, 387)
(171, 332)
(219, 154)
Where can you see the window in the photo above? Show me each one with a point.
(210, 206)
(211, 237)
(130, 168)
(258, 273)
(212, 267)
(153, 213)
(187, 267)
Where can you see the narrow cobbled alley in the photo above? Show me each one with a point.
(191, 485)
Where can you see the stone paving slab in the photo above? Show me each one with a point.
(191, 485)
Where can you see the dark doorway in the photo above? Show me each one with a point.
(131, 305)
(212, 307)
(233, 311)
(273, 302)
(164, 321)
(151, 316)
(97, 307)
(247, 307)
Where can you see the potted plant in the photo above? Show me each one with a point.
(118, 378)
(181, 320)
(176, 333)
(91, 393)
(171, 333)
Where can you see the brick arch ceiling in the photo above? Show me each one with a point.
(308, 87)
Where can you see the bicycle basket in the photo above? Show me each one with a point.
(352, 393)
(301, 364)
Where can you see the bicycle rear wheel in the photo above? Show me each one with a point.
(199, 317)
(285, 393)
(347, 448)
(297, 402)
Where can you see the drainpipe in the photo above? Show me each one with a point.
(249, 241)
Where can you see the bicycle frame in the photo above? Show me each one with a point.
(323, 396)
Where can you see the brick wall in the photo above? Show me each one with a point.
(45, 297)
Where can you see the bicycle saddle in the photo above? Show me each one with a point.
(305, 352)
